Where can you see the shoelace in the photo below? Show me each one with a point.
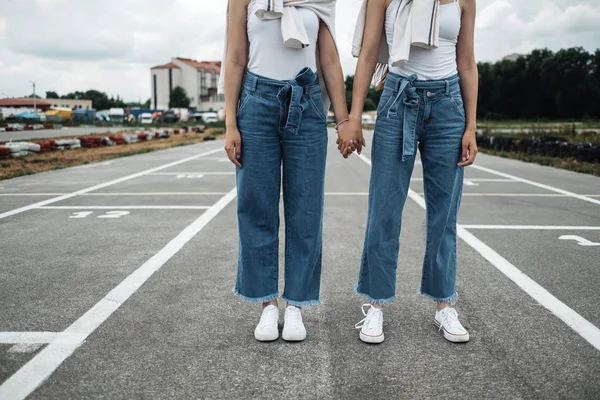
(368, 318)
(450, 320)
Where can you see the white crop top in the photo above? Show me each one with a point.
(430, 64)
(269, 57)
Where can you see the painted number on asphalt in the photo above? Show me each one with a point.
(83, 214)
(109, 214)
(580, 241)
(114, 214)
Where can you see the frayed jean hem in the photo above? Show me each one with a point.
(306, 303)
(450, 299)
(261, 300)
(378, 302)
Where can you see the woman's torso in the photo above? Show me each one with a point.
(430, 64)
(268, 56)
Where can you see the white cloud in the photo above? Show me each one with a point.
(510, 26)
(110, 45)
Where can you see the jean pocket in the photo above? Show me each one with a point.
(244, 99)
(316, 102)
(459, 107)
(385, 102)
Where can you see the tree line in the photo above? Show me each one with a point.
(100, 100)
(542, 85)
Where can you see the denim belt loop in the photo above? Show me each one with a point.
(294, 89)
(251, 82)
(411, 109)
(447, 86)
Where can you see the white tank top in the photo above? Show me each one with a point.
(269, 56)
(430, 64)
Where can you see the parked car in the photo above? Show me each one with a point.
(169, 117)
(210, 117)
(146, 118)
(330, 118)
(367, 120)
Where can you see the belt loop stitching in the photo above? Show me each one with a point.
(254, 83)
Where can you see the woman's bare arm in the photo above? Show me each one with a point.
(367, 61)
(332, 72)
(469, 79)
(334, 81)
(235, 67)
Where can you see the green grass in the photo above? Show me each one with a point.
(564, 163)
(566, 132)
(518, 124)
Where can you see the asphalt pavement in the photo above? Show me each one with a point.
(116, 283)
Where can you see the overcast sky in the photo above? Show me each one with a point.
(110, 45)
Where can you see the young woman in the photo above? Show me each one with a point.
(279, 55)
(428, 102)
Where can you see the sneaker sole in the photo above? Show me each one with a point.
(292, 338)
(452, 338)
(267, 338)
(372, 339)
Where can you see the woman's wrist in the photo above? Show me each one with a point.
(341, 122)
(339, 117)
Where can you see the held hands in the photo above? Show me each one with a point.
(233, 146)
(469, 148)
(350, 137)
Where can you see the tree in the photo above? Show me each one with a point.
(147, 104)
(178, 98)
(51, 95)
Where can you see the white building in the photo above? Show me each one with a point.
(199, 79)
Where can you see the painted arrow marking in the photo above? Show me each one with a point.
(580, 241)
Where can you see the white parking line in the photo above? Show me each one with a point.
(536, 184)
(532, 227)
(497, 180)
(346, 193)
(191, 173)
(123, 208)
(523, 195)
(580, 325)
(106, 184)
(159, 194)
(40, 367)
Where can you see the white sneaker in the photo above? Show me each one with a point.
(267, 329)
(293, 327)
(447, 319)
(371, 327)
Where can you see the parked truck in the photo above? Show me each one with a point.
(64, 113)
(82, 115)
(116, 115)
